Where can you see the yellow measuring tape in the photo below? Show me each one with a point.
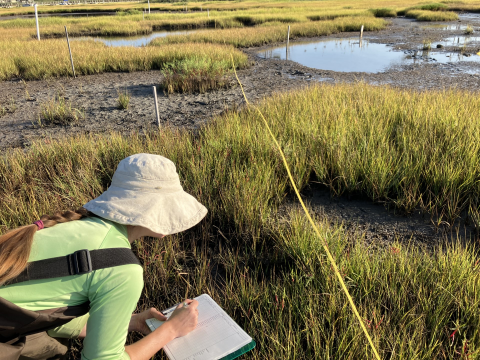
(330, 257)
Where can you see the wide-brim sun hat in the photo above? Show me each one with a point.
(146, 191)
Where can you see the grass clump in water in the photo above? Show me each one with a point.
(59, 111)
(427, 44)
(197, 74)
(469, 30)
(384, 12)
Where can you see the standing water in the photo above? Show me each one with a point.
(135, 41)
(349, 55)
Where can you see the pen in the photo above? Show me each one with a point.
(169, 310)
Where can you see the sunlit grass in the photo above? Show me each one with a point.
(253, 5)
(195, 75)
(264, 35)
(134, 24)
(384, 12)
(59, 111)
(123, 99)
(406, 148)
(49, 58)
(427, 15)
(240, 24)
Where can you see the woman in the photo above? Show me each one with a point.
(145, 199)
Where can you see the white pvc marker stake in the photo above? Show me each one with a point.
(288, 41)
(156, 105)
(143, 15)
(36, 21)
(70, 51)
(148, 7)
(208, 13)
(361, 32)
(288, 35)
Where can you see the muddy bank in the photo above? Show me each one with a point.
(376, 223)
(97, 96)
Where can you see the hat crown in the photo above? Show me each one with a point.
(147, 172)
(148, 167)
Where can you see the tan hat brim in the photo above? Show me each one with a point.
(163, 214)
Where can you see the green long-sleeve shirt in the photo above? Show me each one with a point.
(113, 292)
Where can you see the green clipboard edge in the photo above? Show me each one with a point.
(240, 351)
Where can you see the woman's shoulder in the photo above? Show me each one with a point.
(89, 233)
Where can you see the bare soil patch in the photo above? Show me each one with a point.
(378, 224)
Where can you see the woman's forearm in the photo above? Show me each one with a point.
(145, 348)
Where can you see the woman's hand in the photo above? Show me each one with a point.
(181, 322)
(137, 322)
(184, 319)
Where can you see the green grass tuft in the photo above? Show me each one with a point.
(469, 30)
(59, 111)
(427, 44)
(198, 74)
(123, 99)
(384, 12)
(432, 7)
(426, 15)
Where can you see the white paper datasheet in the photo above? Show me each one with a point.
(215, 336)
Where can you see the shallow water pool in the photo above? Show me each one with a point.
(445, 27)
(135, 41)
(460, 40)
(348, 55)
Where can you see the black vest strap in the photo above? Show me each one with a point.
(80, 262)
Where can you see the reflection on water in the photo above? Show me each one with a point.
(134, 40)
(348, 55)
(455, 40)
(339, 55)
(469, 16)
(445, 27)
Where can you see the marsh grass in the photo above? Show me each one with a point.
(411, 149)
(195, 75)
(427, 15)
(33, 59)
(463, 49)
(432, 7)
(258, 36)
(49, 58)
(59, 111)
(384, 12)
(427, 44)
(469, 30)
(8, 109)
(123, 99)
(128, 24)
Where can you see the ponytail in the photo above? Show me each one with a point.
(16, 244)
